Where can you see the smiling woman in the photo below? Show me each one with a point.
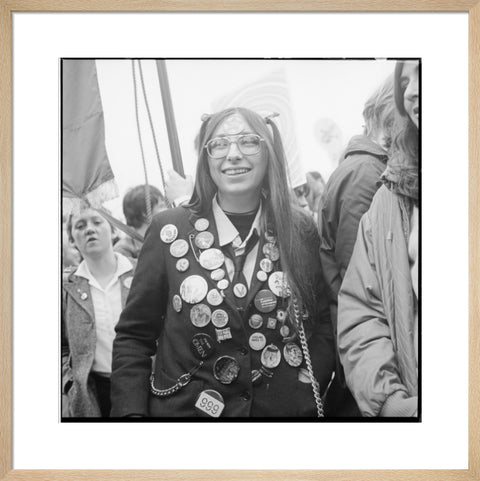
(227, 290)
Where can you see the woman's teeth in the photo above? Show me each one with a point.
(235, 171)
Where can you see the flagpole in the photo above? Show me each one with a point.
(170, 117)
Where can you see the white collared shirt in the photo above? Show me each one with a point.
(107, 306)
(227, 233)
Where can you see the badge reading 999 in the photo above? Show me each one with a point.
(210, 402)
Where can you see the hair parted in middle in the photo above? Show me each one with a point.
(281, 216)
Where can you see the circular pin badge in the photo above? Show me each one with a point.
(217, 274)
(255, 321)
(271, 356)
(177, 303)
(271, 251)
(265, 301)
(270, 237)
(219, 318)
(266, 265)
(292, 354)
(201, 224)
(240, 290)
(257, 341)
(226, 369)
(202, 346)
(262, 276)
(278, 284)
(214, 297)
(182, 265)
(168, 233)
(284, 331)
(83, 296)
(179, 248)
(222, 284)
(200, 315)
(281, 315)
(128, 282)
(204, 240)
(193, 289)
(211, 259)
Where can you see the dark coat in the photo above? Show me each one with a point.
(348, 195)
(149, 315)
(78, 344)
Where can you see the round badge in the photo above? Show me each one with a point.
(177, 303)
(168, 233)
(182, 265)
(222, 284)
(278, 284)
(284, 331)
(193, 289)
(293, 354)
(217, 274)
(204, 240)
(255, 321)
(265, 301)
(214, 297)
(270, 237)
(240, 290)
(257, 341)
(202, 346)
(201, 224)
(271, 251)
(179, 248)
(83, 296)
(200, 315)
(262, 276)
(266, 265)
(211, 259)
(219, 318)
(226, 369)
(281, 315)
(271, 356)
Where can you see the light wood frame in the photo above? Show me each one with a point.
(8, 7)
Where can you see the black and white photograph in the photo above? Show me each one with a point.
(240, 239)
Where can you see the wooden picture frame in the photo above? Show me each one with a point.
(8, 7)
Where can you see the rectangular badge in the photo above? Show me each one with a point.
(209, 405)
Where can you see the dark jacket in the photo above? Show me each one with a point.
(78, 344)
(149, 316)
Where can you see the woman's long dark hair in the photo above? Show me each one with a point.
(405, 146)
(281, 217)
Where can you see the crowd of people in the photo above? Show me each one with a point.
(249, 298)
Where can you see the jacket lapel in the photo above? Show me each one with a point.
(79, 291)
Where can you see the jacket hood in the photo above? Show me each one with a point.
(360, 144)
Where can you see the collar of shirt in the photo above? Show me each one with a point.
(227, 232)
(123, 266)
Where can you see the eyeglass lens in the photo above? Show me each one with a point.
(247, 144)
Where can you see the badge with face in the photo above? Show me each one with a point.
(223, 334)
(182, 265)
(240, 290)
(202, 346)
(201, 224)
(292, 354)
(271, 356)
(193, 289)
(179, 248)
(204, 240)
(219, 318)
(257, 341)
(214, 298)
(226, 369)
(210, 403)
(217, 274)
(168, 233)
(255, 321)
(266, 265)
(211, 259)
(265, 301)
(278, 284)
(261, 276)
(177, 303)
(222, 284)
(200, 315)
